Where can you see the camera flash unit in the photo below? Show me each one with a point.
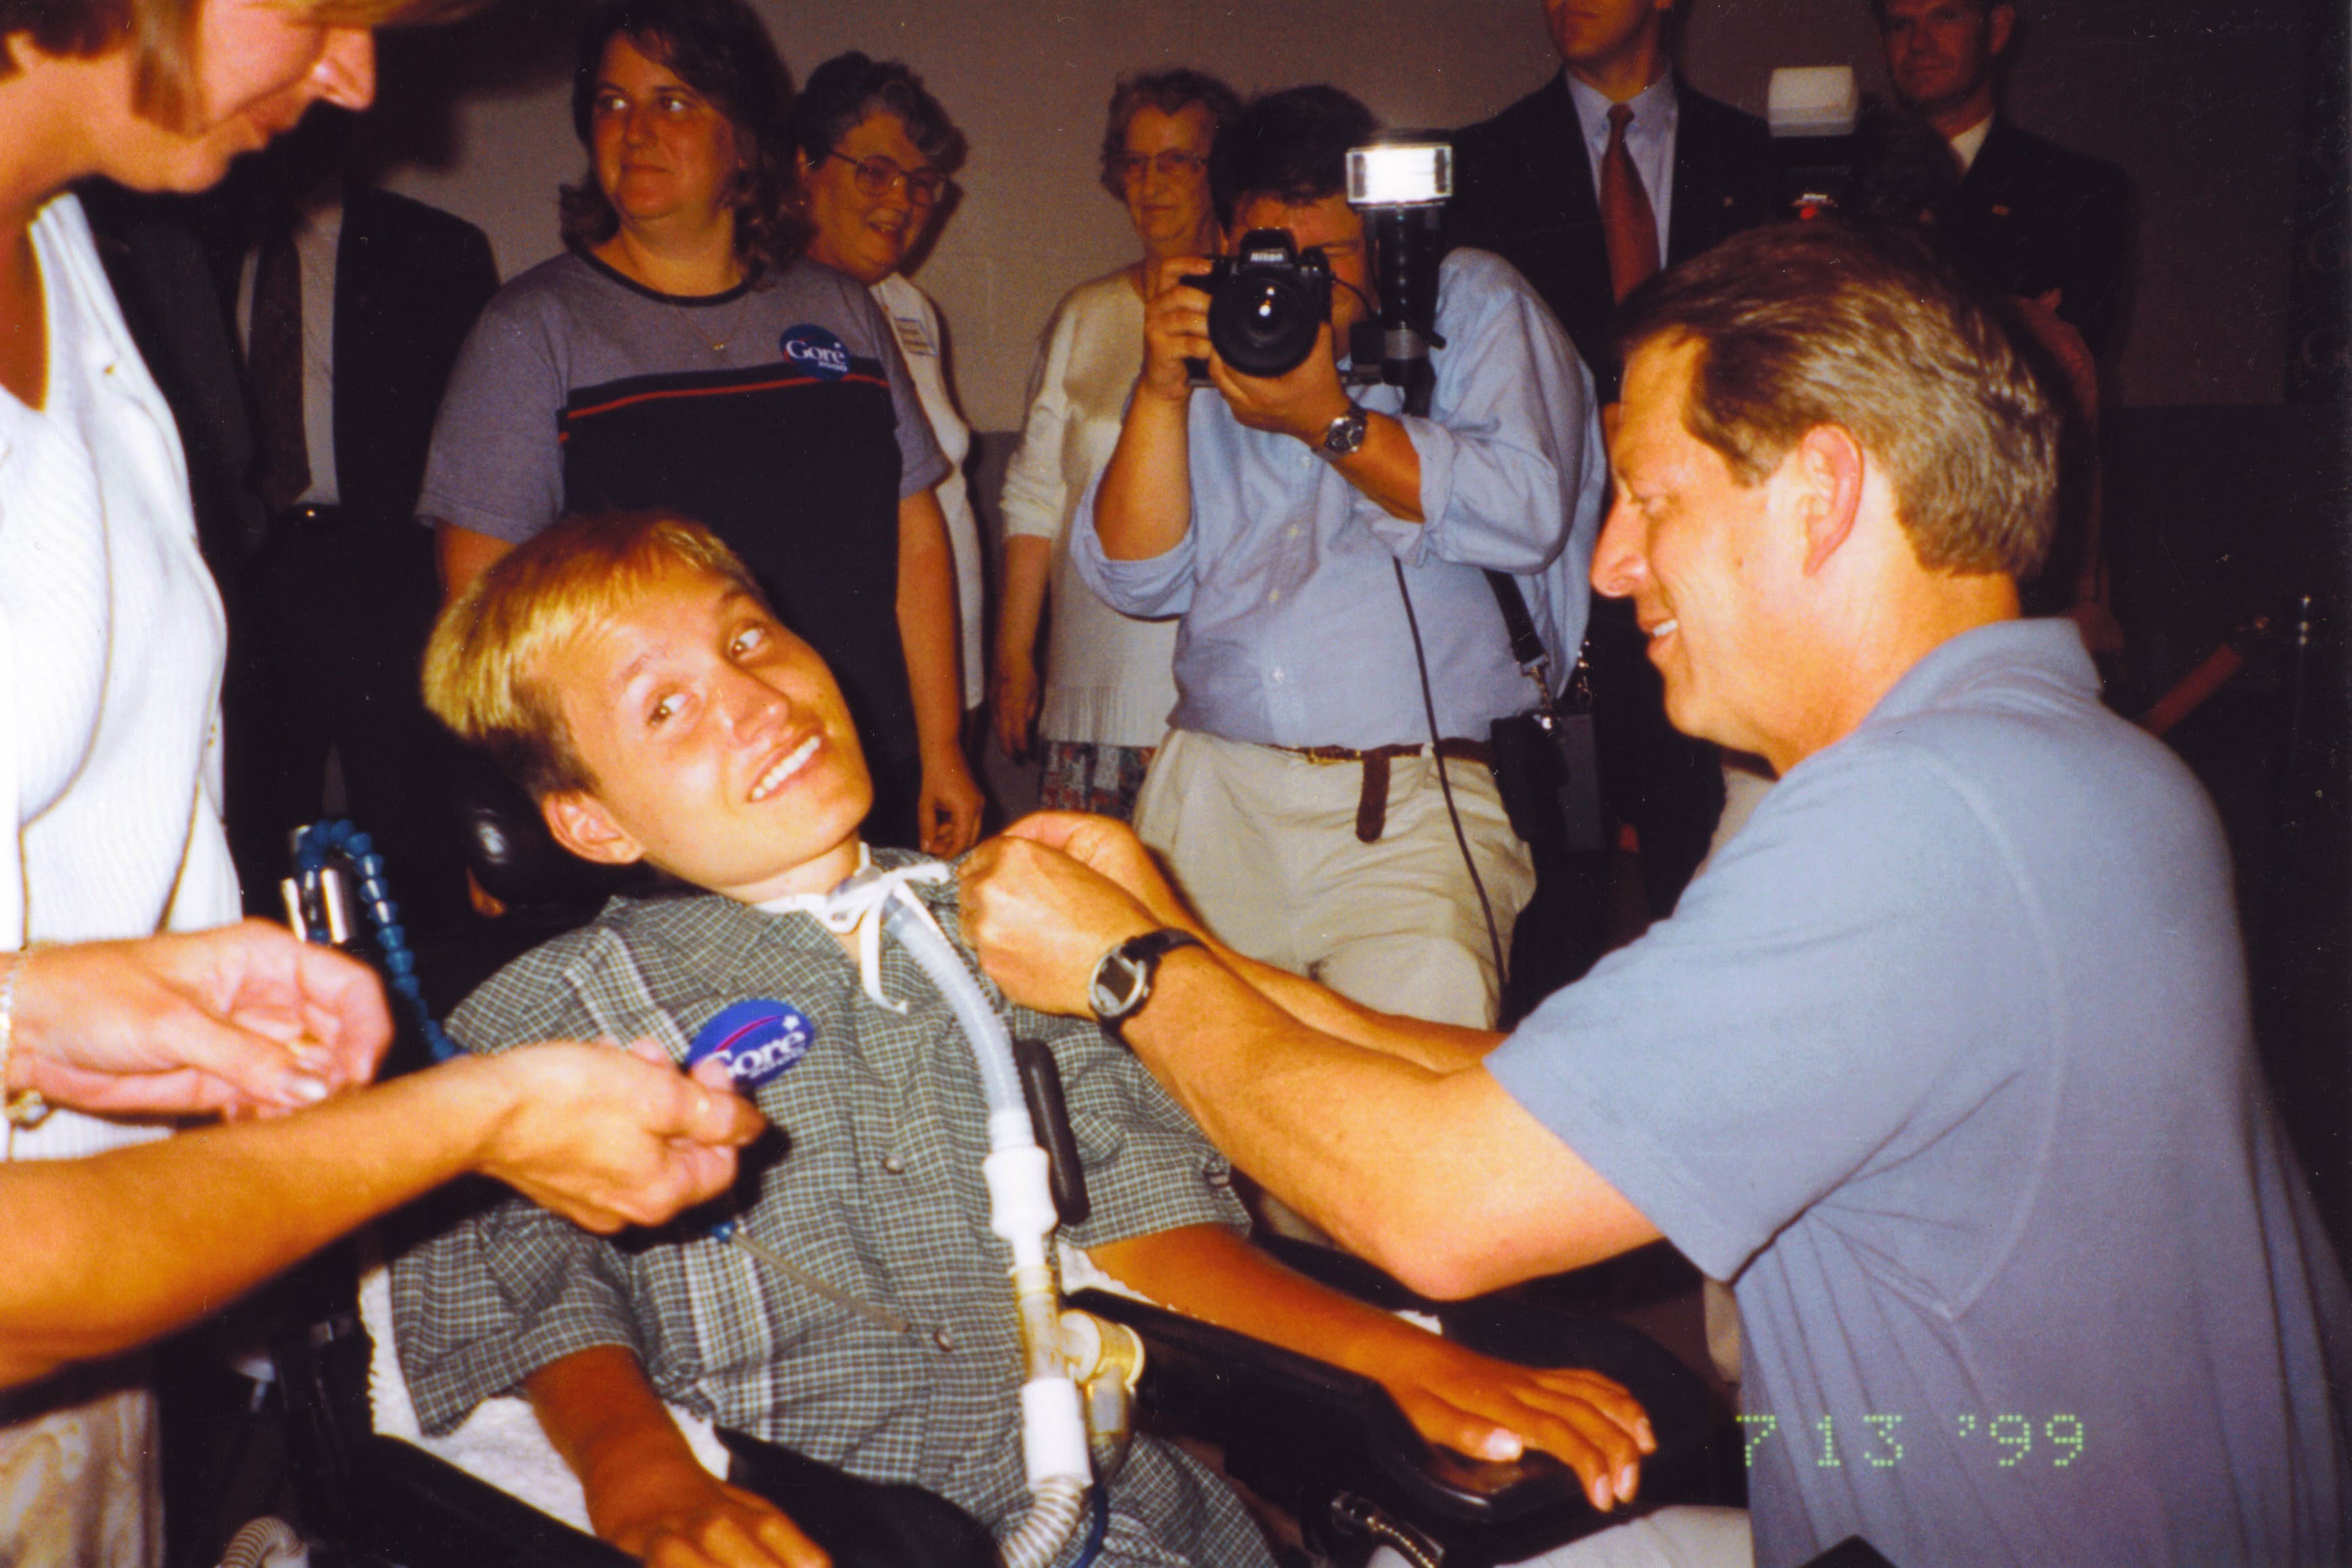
(1400, 174)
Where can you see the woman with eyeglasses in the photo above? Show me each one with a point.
(682, 355)
(1103, 705)
(873, 150)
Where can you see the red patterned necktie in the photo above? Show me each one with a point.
(1628, 225)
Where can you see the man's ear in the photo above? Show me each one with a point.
(580, 823)
(1830, 464)
(2001, 24)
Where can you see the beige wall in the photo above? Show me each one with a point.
(2198, 105)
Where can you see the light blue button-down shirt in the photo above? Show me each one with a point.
(1293, 632)
(1649, 138)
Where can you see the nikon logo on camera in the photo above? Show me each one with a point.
(1265, 304)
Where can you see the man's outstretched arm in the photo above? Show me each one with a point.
(1112, 849)
(1438, 1176)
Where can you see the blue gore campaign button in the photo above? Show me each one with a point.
(758, 1039)
(816, 350)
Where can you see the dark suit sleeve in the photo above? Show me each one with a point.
(410, 280)
(1723, 176)
(2039, 217)
(2097, 264)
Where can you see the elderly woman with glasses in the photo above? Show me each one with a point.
(1104, 703)
(682, 355)
(874, 152)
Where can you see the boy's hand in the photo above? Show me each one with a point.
(1492, 1409)
(647, 1494)
(682, 1516)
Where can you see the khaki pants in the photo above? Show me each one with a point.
(1264, 843)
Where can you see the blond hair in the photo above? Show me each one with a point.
(163, 34)
(490, 663)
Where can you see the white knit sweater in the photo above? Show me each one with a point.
(110, 646)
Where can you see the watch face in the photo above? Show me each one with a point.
(1346, 433)
(1117, 986)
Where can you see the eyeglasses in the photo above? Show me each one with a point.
(878, 176)
(1172, 165)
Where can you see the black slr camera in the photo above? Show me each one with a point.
(1265, 304)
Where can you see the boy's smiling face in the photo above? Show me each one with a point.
(721, 748)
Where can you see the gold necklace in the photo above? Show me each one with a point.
(734, 325)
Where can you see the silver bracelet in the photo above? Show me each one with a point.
(27, 1108)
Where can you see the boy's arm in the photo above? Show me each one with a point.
(1472, 1403)
(647, 1494)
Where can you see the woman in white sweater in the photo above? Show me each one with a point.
(1107, 683)
(111, 632)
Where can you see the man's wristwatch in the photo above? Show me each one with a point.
(1345, 434)
(1122, 979)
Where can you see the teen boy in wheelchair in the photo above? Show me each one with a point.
(628, 671)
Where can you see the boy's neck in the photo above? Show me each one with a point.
(820, 875)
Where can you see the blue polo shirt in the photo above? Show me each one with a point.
(1946, 1064)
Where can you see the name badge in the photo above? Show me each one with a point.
(914, 338)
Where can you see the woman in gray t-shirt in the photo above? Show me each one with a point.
(682, 356)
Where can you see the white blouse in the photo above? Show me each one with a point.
(112, 638)
(916, 322)
(1110, 678)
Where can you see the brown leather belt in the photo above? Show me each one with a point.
(1372, 802)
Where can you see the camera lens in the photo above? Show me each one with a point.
(1264, 326)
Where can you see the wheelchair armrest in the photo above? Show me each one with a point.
(1304, 1434)
(416, 1509)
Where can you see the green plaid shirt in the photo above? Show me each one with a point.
(876, 1191)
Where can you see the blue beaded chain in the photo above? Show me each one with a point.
(322, 841)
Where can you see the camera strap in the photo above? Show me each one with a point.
(1528, 650)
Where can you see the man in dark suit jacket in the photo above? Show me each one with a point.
(2040, 220)
(1527, 183)
(1527, 187)
(328, 631)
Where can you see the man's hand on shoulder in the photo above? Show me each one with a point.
(1175, 326)
(1041, 920)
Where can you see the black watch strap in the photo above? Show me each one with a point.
(1123, 976)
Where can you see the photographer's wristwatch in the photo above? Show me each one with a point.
(1345, 434)
(1122, 979)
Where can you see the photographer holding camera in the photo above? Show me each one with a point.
(1296, 798)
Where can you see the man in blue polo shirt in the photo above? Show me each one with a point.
(1945, 1062)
